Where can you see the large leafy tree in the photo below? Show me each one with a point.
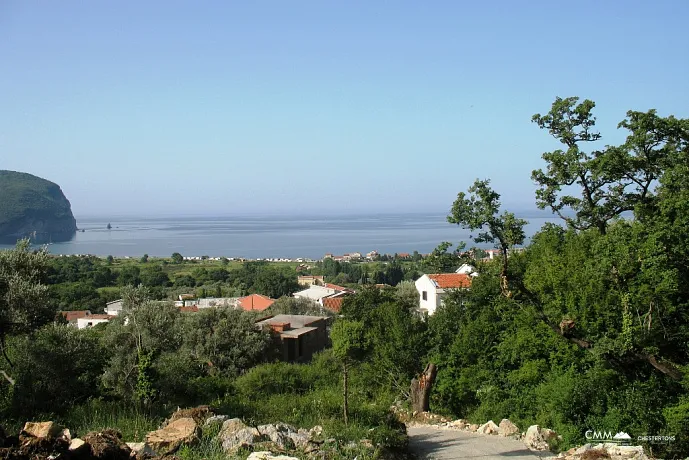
(610, 179)
(24, 303)
(480, 210)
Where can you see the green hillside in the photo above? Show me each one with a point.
(30, 204)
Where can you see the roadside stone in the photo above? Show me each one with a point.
(141, 449)
(582, 449)
(534, 438)
(200, 414)
(268, 456)
(232, 425)
(549, 434)
(44, 430)
(473, 427)
(244, 437)
(507, 428)
(488, 428)
(215, 419)
(458, 424)
(176, 433)
(279, 434)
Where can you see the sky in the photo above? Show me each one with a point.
(272, 107)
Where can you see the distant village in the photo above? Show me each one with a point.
(303, 335)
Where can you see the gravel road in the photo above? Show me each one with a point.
(433, 443)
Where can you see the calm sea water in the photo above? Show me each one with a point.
(264, 237)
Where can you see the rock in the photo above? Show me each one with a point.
(581, 450)
(107, 445)
(268, 456)
(458, 424)
(200, 414)
(488, 428)
(473, 427)
(301, 439)
(215, 419)
(78, 448)
(232, 425)
(534, 438)
(232, 440)
(44, 430)
(141, 449)
(507, 428)
(176, 433)
(625, 452)
(279, 434)
(316, 431)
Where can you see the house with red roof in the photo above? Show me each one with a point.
(255, 302)
(434, 287)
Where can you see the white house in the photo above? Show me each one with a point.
(315, 293)
(92, 320)
(113, 308)
(466, 269)
(432, 288)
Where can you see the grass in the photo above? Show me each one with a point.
(96, 415)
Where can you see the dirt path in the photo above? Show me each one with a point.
(429, 442)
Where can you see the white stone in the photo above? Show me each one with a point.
(488, 428)
(507, 428)
(264, 455)
(534, 438)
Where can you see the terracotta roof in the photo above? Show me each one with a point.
(255, 302)
(100, 316)
(75, 315)
(333, 304)
(451, 280)
(191, 309)
(336, 287)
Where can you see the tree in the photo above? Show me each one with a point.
(177, 258)
(144, 259)
(613, 179)
(479, 211)
(348, 346)
(110, 260)
(24, 304)
(441, 260)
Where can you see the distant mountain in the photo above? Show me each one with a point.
(35, 208)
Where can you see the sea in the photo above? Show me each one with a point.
(263, 237)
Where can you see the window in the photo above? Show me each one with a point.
(424, 295)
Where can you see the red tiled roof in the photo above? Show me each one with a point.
(335, 286)
(255, 302)
(451, 280)
(100, 316)
(192, 309)
(75, 315)
(333, 304)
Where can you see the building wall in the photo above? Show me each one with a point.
(430, 303)
(83, 323)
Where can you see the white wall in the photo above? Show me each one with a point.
(431, 303)
(83, 323)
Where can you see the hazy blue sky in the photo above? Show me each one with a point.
(160, 107)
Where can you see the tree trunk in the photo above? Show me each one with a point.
(421, 389)
(345, 404)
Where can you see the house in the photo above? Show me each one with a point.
(432, 288)
(214, 302)
(256, 302)
(308, 280)
(466, 269)
(298, 336)
(187, 299)
(372, 255)
(192, 309)
(333, 302)
(113, 308)
(315, 293)
(73, 316)
(92, 320)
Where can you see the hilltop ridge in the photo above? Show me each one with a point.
(33, 207)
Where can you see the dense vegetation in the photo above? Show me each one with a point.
(27, 199)
(587, 329)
